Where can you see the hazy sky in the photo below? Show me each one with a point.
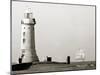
(60, 30)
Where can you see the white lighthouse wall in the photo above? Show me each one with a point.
(27, 42)
(60, 30)
(28, 35)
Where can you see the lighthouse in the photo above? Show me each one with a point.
(28, 51)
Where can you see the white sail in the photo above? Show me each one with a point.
(80, 55)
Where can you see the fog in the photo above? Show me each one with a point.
(60, 30)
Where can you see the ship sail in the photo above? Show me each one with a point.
(80, 55)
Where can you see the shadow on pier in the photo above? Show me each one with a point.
(21, 66)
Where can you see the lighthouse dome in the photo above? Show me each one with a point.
(28, 18)
(28, 13)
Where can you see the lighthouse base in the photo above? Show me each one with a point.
(29, 56)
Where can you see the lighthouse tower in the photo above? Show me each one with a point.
(28, 52)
